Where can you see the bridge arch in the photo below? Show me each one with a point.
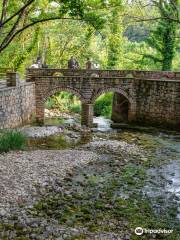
(40, 103)
(115, 90)
(123, 106)
(63, 89)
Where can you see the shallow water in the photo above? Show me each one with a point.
(163, 183)
(103, 124)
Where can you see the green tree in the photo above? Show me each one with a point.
(113, 52)
(163, 38)
(20, 58)
(114, 40)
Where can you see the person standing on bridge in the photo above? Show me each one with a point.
(96, 66)
(77, 66)
(72, 63)
(89, 64)
(38, 63)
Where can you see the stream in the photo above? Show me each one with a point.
(166, 178)
(150, 177)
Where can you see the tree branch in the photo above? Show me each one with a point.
(3, 13)
(4, 45)
(155, 59)
(18, 12)
(8, 37)
(141, 19)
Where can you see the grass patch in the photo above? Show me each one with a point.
(12, 140)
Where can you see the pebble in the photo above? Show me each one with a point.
(115, 147)
(2, 212)
(30, 172)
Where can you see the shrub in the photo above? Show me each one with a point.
(64, 101)
(75, 108)
(12, 140)
(50, 103)
(107, 111)
(103, 105)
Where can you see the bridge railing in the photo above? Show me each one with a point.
(31, 73)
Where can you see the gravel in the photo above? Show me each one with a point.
(40, 132)
(114, 147)
(24, 174)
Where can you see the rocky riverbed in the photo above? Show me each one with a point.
(98, 186)
(23, 174)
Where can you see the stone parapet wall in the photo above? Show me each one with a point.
(32, 73)
(17, 105)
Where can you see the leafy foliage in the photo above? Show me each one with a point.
(163, 38)
(137, 32)
(103, 105)
(110, 32)
(67, 102)
(64, 101)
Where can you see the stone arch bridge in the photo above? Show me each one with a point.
(140, 96)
